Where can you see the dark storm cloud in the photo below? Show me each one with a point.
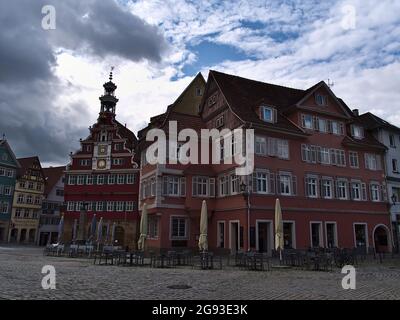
(28, 87)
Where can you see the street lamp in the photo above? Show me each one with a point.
(394, 199)
(246, 195)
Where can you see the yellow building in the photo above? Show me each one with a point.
(27, 203)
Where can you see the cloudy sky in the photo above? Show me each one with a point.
(50, 80)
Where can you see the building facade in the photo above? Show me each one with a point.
(52, 205)
(311, 151)
(389, 135)
(27, 203)
(8, 172)
(103, 175)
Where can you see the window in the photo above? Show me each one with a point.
(356, 191)
(37, 200)
(18, 212)
(312, 187)
(392, 141)
(7, 190)
(29, 199)
(321, 100)
(129, 206)
(4, 208)
(261, 145)
(268, 114)
(327, 188)
(395, 166)
(85, 162)
(278, 148)
(100, 179)
(59, 192)
(342, 189)
(357, 132)
(171, 185)
(121, 179)
(110, 206)
(20, 198)
(10, 173)
(261, 182)
(89, 179)
(234, 179)
(373, 162)
(309, 153)
(111, 179)
(353, 157)
(22, 184)
(99, 206)
(219, 122)
(30, 185)
(71, 180)
(152, 229)
(199, 92)
(81, 179)
(119, 206)
(338, 157)
(337, 128)
(223, 186)
(375, 192)
(307, 121)
(130, 178)
(322, 125)
(200, 186)
(316, 234)
(118, 161)
(323, 155)
(221, 234)
(396, 193)
(287, 184)
(118, 147)
(178, 228)
(89, 206)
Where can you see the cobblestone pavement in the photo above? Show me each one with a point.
(20, 278)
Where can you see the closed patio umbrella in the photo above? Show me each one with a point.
(74, 230)
(93, 228)
(113, 233)
(107, 239)
(278, 228)
(99, 232)
(60, 229)
(143, 228)
(203, 242)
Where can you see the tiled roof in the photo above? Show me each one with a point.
(372, 122)
(52, 175)
(244, 95)
(26, 163)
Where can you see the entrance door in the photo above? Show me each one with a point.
(360, 231)
(234, 236)
(44, 238)
(316, 235)
(263, 236)
(381, 240)
(288, 235)
(331, 240)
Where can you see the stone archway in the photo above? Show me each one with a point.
(382, 239)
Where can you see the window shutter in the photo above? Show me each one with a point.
(271, 188)
(303, 153)
(278, 185)
(306, 187)
(315, 123)
(183, 186)
(254, 182)
(378, 162)
(364, 191)
(165, 185)
(212, 187)
(294, 185)
(275, 115)
(194, 186)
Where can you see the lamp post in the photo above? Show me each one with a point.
(244, 189)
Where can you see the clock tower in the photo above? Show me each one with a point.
(104, 175)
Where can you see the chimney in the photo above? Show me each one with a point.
(356, 112)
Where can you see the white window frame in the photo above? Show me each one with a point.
(324, 186)
(353, 157)
(179, 237)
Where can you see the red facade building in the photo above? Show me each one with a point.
(311, 152)
(103, 175)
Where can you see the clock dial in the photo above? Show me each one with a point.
(101, 164)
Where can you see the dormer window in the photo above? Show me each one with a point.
(268, 114)
(321, 100)
(357, 132)
(219, 122)
(199, 92)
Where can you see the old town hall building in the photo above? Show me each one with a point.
(311, 151)
(103, 175)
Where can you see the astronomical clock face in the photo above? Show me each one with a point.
(101, 164)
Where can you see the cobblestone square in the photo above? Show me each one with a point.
(20, 278)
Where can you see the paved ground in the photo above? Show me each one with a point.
(20, 278)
